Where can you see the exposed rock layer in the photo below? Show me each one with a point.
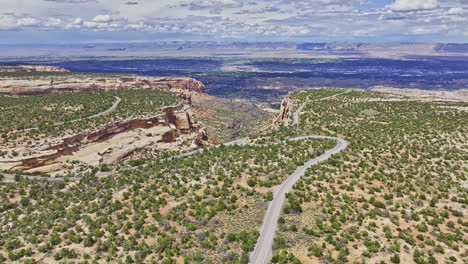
(176, 120)
(285, 112)
(76, 83)
(31, 68)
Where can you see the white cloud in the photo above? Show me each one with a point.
(314, 20)
(7, 21)
(71, 1)
(89, 24)
(139, 26)
(28, 22)
(77, 21)
(52, 22)
(204, 4)
(413, 5)
(422, 30)
(102, 18)
(456, 11)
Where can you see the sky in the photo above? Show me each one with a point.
(113, 21)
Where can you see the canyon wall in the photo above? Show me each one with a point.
(30, 68)
(176, 122)
(85, 82)
(176, 129)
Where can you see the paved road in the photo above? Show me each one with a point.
(111, 109)
(299, 110)
(241, 142)
(263, 249)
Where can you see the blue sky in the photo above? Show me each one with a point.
(100, 21)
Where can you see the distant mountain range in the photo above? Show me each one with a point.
(236, 49)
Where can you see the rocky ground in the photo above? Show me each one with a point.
(200, 119)
(113, 142)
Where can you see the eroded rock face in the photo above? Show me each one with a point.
(98, 146)
(202, 137)
(188, 84)
(285, 112)
(31, 68)
(112, 143)
(184, 87)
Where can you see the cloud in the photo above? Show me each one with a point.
(429, 30)
(28, 22)
(52, 22)
(319, 4)
(7, 21)
(77, 21)
(413, 5)
(211, 4)
(266, 20)
(456, 11)
(267, 9)
(102, 18)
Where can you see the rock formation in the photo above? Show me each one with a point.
(285, 112)
(115, 141)
(30, 68)
(184, 87)
(111, 143)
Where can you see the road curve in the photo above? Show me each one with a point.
(9, 176)
(263, 249)
(299, 110)
(111, 109)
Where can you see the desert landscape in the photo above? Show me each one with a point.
(360, 203)
(234, 131)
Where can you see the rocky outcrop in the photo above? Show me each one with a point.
(183, 120)
(202, 137)
(184, 87)
(112, 142)
(285, 112)
(186, 84)
(31, 68)
(175, 122)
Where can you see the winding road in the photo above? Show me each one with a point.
(111, 109)
(299, 110)
(263, 248)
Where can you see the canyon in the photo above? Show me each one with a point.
(175, 129)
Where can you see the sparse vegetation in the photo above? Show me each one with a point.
(47, 112)
(200, 208)
(396, 195)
